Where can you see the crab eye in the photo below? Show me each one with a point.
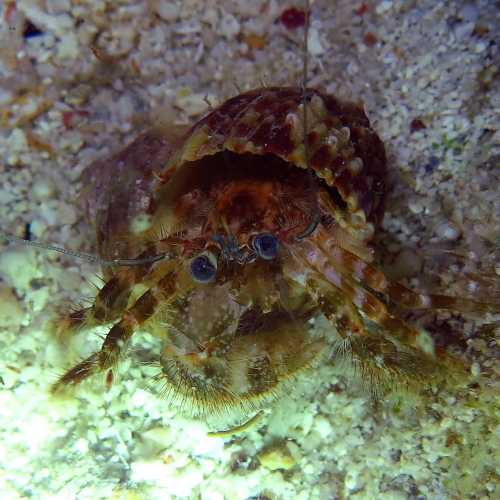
(204, 267)
(266, 246)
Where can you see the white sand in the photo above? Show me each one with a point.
(432, 61)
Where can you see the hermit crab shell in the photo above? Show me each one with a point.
(342, 149)
(119, 191)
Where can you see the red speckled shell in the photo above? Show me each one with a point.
(343, 149)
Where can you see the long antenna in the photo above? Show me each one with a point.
(316, 217)
(85, 256)
(304, 79)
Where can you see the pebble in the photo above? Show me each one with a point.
(69, 47)
(167, 10)
(67, 214)
(323, 426)
(475, 369)
(10, 308)
(229, 26)
(81, 446)
(277, 457)
(480, 47)
(58, 6)
(38, 227)
(383, 7)
(17, 142)
(18, 267)
(415, 207)
(447, 231)
(315, 46)
(153, 441)
(43, 189)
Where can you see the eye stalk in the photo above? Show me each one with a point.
(204, 267)
(266, 246)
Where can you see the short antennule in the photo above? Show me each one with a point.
(81, 255)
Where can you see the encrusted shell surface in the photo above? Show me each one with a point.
(342, 148)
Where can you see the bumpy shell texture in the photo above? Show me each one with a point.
(342, 148)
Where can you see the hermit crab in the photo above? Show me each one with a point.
(227, 240)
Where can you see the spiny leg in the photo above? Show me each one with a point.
(418, 344)
(380, 362)
(339, 312)
(365, 301)
(109, 303)
(349, 264)
(111, 300)
(117, 338)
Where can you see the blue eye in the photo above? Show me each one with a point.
(266, 246)
(204, 268)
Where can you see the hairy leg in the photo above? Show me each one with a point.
(348, 264)
(112, 299)
(381, 362)
(109, 304)
(119, 335)
(365, 301)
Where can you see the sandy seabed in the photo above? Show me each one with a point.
(427, 73)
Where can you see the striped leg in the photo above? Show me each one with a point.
(348, 264)
(112, 299)
(109, 304)
(365, 301)
(119, 335)
(380, 362)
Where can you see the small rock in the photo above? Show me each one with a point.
(58, 6)
(415, 207)
(153, 442)
(475, 369)
(315, 46)
(69, 47)
(16, 144)
(323, 426)
(229, 26)
(383, 7)
(277, 457)
(43, 189)
(447, 231)
(18, 267)
(167, 10)
(10, 309)
(67, 214)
